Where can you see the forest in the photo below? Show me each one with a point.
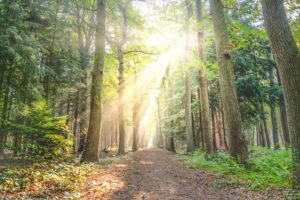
(150, 99)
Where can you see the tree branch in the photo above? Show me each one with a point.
(140, 51)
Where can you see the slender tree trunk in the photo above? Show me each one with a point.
(2, 73)
(219, 123)
(201, 137)
(188, 114)
(262, 134)
(84, 48)
(224, 128)
(206, 122)
(75, 138)
(3, 131)
(214, 129)
(237, 142)
(160, 127)
(265, 125)
(283, 116)
(286, 54)
(195, 131)
(273, 111)
(91, 152)
(257, 135)
(121, 149)
(136, 125)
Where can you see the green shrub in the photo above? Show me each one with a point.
(43, 134)
(265, 167)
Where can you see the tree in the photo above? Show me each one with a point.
(273, 110)
(233, 121)
(91, 152)
(188, 114)
(286, 54)
(203, 82)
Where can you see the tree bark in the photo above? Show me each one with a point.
(203, 83)
(283, 116)
(237, 142)
(3, 131)
(273, 111)
(121, 149)
(91, 152)
(286, 54)
(188, 115)
(136, 124)
(264, 125)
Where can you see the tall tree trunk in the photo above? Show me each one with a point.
(162, 137)
(224, 128)
(214, 129)
(121, 149)
(75, 135)
(91, 152)
(262, 134)
(2, 73)
(201, 137)
(283, 115)
(3, 131)
(286, 54)
(84, 48)
(237, 142)
(188, 114)
(265, 125)
(206, 122)
(273, 110)
(136, 124)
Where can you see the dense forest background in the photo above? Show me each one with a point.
(97, 77)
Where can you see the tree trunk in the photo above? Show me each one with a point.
(91, 152)
(273, 111)
(84, 48)
(224, 128)
(3, 131)
(188, 115)
(201, 138)
(121, 149)
(265, 125)
(237, 142)
(287, 56)
(214, 129)
(206, 122)
(75, 135)
(163, 142)
(136, 124)
(283, 116)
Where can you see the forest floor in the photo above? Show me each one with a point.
(154, 174)
(148, 174)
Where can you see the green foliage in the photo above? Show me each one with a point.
(265, 167)
(44, 135)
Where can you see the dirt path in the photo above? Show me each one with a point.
(155, 174)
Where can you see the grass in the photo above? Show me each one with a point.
(266, 168)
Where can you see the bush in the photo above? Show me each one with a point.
(265, 167)
(43, 134)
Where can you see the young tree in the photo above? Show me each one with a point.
(286, 54)
(233, 121)
(91, 152)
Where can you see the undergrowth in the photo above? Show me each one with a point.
(265, 167)
(46, 180)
